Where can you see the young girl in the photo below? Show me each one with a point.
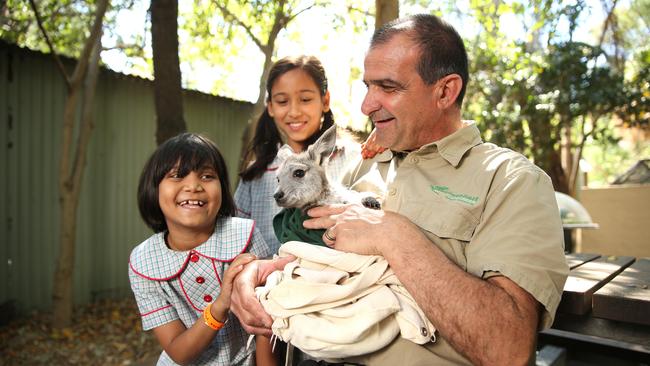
(298, 112)
(182, 275)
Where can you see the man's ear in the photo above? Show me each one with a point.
(448, 90)
(324, 146)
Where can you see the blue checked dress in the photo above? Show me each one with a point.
(254, 198)
(170, 285)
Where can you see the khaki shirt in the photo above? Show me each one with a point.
(489, 209)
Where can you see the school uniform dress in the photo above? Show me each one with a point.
(172, 285)
(254, 198)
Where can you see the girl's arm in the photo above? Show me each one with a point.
(264, 352)
(184, 345)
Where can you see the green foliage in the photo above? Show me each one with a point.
(66, 22)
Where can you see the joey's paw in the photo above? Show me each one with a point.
(371, 202)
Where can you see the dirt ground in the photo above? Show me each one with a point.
(108, 332)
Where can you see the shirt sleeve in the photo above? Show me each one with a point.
(243, 199)
(520, 236)
(154, 309)
(258, 246)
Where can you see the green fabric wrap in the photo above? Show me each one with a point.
(287, 225)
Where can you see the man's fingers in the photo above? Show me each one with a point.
(277, 264)
(326, 210)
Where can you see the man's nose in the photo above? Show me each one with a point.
(370, 103)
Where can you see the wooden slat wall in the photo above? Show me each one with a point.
(32, 96)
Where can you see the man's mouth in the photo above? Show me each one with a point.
(191, 203)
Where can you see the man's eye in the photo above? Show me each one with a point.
(298, 173)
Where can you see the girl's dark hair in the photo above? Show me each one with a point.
(192, 152)
(264, 146)
(442, 51)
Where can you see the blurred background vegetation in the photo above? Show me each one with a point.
(560, 81)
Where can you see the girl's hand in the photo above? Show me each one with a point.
(370, 148)
(221, 305)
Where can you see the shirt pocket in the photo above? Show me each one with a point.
(444, 218)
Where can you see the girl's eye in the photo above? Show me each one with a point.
(281, 102)
(307, 100)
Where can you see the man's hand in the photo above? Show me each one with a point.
(244, 303)
(360, 230)
(370, 148)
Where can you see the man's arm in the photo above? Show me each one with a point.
(490, 321)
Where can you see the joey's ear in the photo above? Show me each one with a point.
(320, 150)
(284, 152)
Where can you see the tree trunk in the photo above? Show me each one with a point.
(258, 108)
(385, 11)
(72, 166)
(168, 95)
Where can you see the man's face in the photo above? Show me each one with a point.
(401, 106)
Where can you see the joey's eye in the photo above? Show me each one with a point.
(298, 173)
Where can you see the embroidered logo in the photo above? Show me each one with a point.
(460, 197)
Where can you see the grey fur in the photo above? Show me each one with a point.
(303, 183)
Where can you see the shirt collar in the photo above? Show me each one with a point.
(452, 148)
(154, 260)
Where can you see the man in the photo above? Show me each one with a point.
(471, 230)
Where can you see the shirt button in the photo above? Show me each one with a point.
(424, 331)
(392, 191)
(200, 279)
(194, 258)
(207, 298)
(415, 160)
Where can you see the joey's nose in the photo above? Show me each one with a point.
(278, 195)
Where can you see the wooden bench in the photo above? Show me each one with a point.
(605, 308)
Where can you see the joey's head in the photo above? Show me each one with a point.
(302, 182)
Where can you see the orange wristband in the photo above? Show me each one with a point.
(210, 321)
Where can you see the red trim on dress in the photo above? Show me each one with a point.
(187, 297)
(153, 311)
(161, 279)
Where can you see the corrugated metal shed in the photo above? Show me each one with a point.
(32, 95)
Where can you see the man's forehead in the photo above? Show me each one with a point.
(390, 58)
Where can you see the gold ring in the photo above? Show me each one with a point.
(328, 236)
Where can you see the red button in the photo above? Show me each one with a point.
(200, 279)
(207, 298)
(194, 258)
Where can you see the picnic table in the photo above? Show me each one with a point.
(605, 307)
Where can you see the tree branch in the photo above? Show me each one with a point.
(80, 69)
(608, 19)
(227, 14)
(57, 60)
(87, 104)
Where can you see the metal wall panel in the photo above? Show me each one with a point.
(32, 96)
